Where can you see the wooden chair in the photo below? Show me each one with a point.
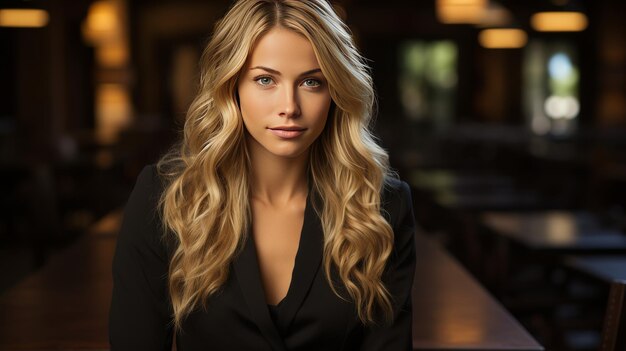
(614, 329)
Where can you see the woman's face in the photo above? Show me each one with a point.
(283, 95)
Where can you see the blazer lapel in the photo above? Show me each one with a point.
(307, 263)
(248, 276)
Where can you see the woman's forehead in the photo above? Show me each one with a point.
(285, 51)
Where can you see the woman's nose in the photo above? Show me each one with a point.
(290, 104)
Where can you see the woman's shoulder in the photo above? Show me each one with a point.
(397, 207)
(395, 185)
(149, 180)
(141, 222)
(146, 191)
(396, 200)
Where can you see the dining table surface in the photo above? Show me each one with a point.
(605, 268)
(452, 311)
(557, 231)
(65, 304)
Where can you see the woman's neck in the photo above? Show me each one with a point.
(277, 180)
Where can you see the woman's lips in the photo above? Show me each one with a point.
(287, 134)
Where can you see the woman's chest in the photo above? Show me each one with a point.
(276, 234)
(322, 321)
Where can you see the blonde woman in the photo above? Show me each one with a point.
(276, 224)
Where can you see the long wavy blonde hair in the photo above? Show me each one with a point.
(206, 199)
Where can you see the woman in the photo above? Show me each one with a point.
(276, 224)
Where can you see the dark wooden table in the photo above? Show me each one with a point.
(451, 311)
(65, 305)
(603, 268)
(556, 231)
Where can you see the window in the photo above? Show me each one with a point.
(428, 81)
(551, 88)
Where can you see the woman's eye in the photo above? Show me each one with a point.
(312, 83)
(264, 80)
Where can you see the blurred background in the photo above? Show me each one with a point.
(507, 118)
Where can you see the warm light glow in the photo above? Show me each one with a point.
(104, 29)
(102, 23)
(481, 3)
(113, 111)
(113, 54)
(23, 18)
(502, 38)
(461, 11)
(496, 15)
(559, 21)
(102, 16)
(560, 228)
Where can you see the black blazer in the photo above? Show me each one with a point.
(311, 317)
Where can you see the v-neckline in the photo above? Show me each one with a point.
(295, 258)
(307, 262)
(279, 303)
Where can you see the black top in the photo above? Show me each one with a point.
(275, 310)
(311, 316)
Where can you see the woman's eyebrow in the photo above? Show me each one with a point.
(273, 71)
